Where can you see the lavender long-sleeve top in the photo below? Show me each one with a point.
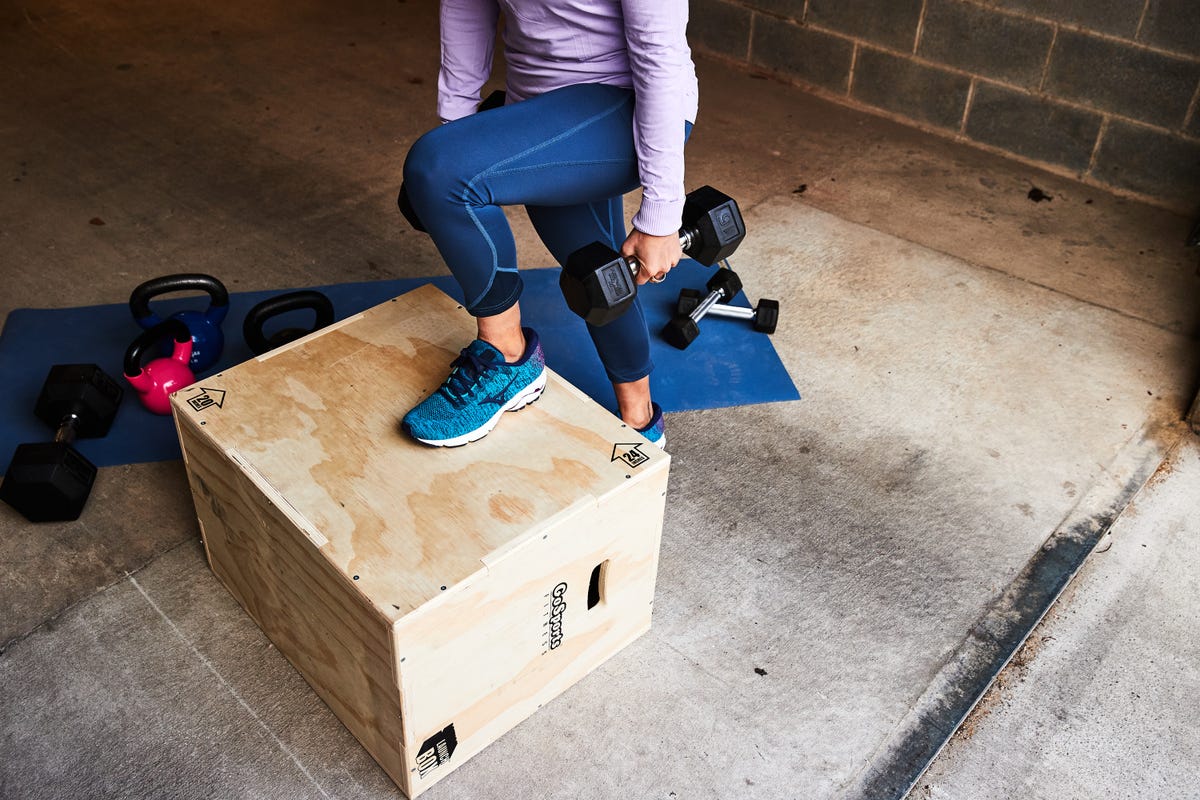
(548, 44)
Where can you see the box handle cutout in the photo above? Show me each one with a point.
(596, 584)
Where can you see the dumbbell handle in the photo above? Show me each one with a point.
(734, 312)
(687, 237)
(711, 305)
(66, 432)
(70, 423)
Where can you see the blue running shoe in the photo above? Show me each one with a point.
(480, 388)
(656, 430)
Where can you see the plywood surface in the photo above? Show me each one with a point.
(316, 427)
(542, 634)
(325, 628)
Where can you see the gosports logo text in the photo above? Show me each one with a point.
(558, 606)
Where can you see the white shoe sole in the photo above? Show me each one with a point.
(530, 393)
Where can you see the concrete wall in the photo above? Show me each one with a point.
(1103, 89)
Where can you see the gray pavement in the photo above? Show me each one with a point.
(987, 382)
(1101, 701)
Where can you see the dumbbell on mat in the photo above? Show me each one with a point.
(598, 282)
(763, 317)
(723, 286)
(49, 481)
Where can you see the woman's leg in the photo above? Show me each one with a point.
(568, 156)
(624, 344)
(566, 147)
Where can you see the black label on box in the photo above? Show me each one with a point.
(554, 616)
(208, 398)
(436, 750)
(629, 454)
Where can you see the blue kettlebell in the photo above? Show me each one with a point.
(205, 326)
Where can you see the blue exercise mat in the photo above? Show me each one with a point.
(730, 364)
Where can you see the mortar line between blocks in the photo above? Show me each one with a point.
(970, 101)
(209, 666)
(920, 26)
(1191, 111)
(1095, 156)
(1046, 64)
(750, 40)
(1141, 21)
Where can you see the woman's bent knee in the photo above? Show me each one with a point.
(433, 168)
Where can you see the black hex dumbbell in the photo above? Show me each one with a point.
(49, 481)
(723, 286)
(598, 282)
(763, 317)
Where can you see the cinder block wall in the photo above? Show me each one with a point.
(1105, 90)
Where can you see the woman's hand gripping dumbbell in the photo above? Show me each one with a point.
(600, 284)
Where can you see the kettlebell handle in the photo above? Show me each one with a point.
(139, 298)
(148, 339)
(252, 328)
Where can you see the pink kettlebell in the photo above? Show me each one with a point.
(157, 380)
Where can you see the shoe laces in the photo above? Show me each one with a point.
(465, 372)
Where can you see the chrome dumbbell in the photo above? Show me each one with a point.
(691, 307)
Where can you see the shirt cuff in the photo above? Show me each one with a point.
(659, 217)
(452, 108)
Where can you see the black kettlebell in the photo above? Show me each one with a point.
(252, 328)
(205, 326)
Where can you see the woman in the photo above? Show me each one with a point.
(601, 96)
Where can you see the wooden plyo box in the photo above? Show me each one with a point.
(433, 597)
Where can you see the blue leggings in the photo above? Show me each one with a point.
(568, 156)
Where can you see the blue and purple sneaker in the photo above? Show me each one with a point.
(480, 388)
(656, 430)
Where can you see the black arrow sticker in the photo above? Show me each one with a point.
(629, 454)
(208, 398)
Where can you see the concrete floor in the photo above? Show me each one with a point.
(1100, 703)
(986, 380)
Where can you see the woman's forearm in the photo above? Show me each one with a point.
(660, 64)
(468, 42)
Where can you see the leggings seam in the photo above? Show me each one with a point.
(543, 145)
(491, 246)
(497, 308)
(494, 169)
(599, 224)
(552, 164)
